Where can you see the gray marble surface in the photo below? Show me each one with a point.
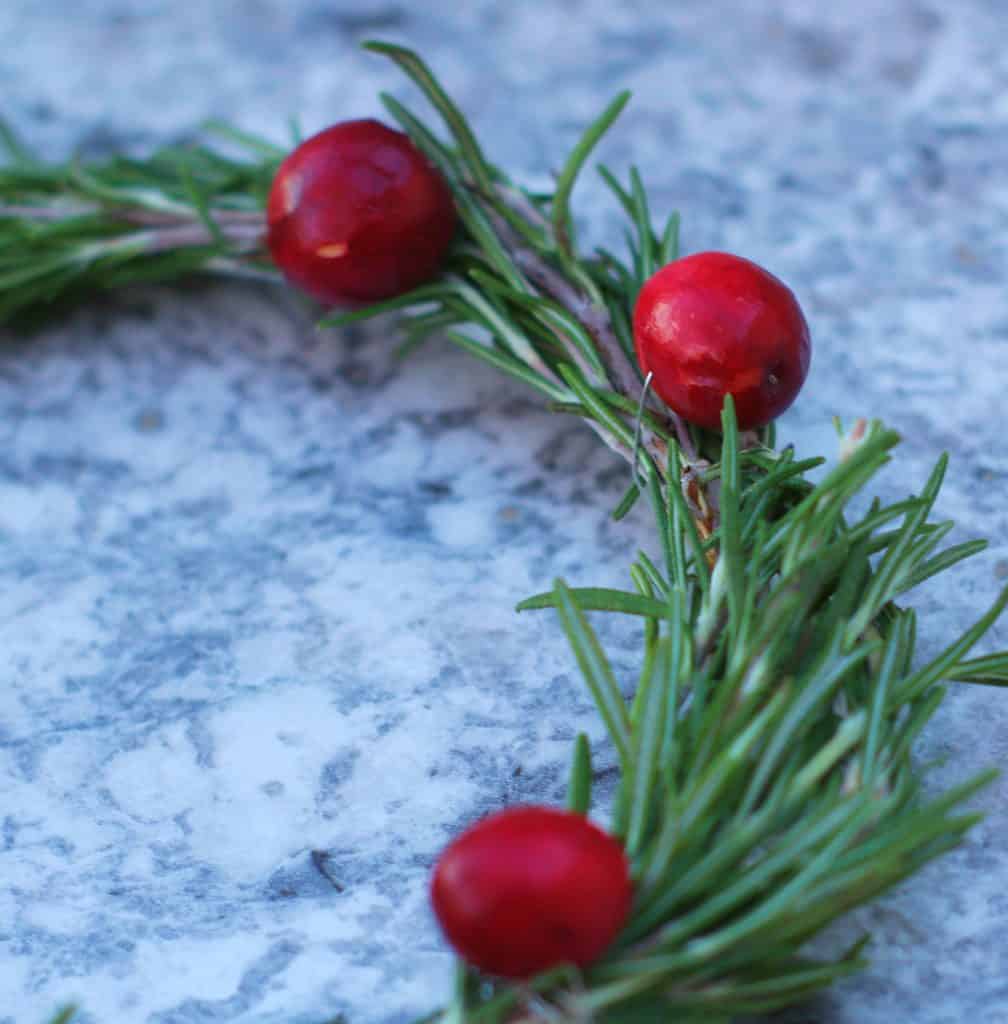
(260, 660)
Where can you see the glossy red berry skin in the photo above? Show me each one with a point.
(530, 888)
(714, 324)
(356, 214)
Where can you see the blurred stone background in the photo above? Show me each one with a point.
(257, 582)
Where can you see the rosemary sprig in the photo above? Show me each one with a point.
(767, 778)
(67, 231)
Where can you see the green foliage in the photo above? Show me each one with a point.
(579, 790)
(767, 779)
(768, 784)
(69, 230)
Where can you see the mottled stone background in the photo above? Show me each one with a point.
(259, 655)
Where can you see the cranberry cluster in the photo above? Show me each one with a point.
(357, 214)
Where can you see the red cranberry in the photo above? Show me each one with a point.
(530, 888)
(357, 214)
(714, 324)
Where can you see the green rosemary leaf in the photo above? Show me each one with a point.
(664, 524)
(910, 833)
(579, 789)
(418, 296)
(508, 364)
(636, 260)
(596, 671)
(655, 578)
(458, 1011)
(599, 409)
(991, 670)
(674, 519)
(655, 1008)
(621, 193)
(571, 408)
(824, 760)
(552, 321)
(929, 536)
(494, 317)
(894, 656)
(563, 225)
(646, 243)
(90, 182)
(627, 502)
(694, 881)
(918, 715)
(695, 802)
(833, 668)
(201, 205)
(771, 995)
(681, 515)
(895, 567)
(630, 406)
(785, 470)
(419, 326)
(246, 140)
(491, 247)
(848, 592)
(295, 131)
(563, 324)
(824, 843)
(119, 269)
(818, 514)
(943, 561)
(619, 314)
(421, 75)
(646, 588)
(65, 1015)
(936, 669)
(730, 561)
(599, 599)
(424, 139)
(647, 736)
(668, 247)
(615, 277)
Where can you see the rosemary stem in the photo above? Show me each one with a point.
(245, 228)
(51, 213)
(622, 375)
(242, 237)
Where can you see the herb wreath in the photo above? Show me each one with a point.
(767, 779)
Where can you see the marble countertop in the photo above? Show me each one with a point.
(256, 614)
